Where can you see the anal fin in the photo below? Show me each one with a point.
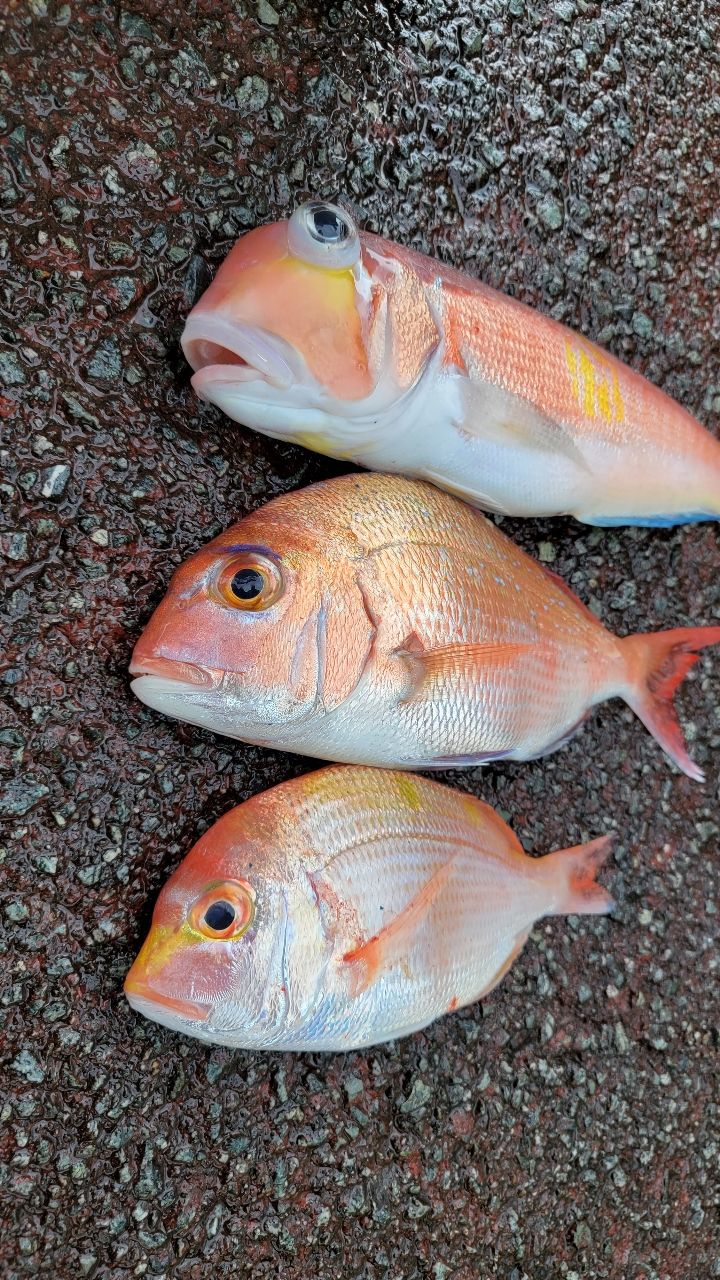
(505, 967)
(563, 739)
(461, 762)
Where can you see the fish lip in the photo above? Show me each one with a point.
(140, 995)
(173, 669)
(260, 352)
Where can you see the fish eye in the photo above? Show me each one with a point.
(328, 224)
(324, 235)
(219, 916)
(247, 584)
(250, 580)
(225, 910)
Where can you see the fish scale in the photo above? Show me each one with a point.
(444, 603)
(407, 631)
(395, 360)
(382, 901)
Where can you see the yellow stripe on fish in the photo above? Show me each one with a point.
(596, 386)
(362, 349)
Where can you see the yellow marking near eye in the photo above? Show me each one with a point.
(160, 944)
(595, 384)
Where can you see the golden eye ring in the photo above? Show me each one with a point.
(250, 581)
(225, 911)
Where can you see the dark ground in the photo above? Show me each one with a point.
(569, 153)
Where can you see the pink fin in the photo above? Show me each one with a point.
(429, 665)
(510, 419)
(657, 664)
(391, 944)
(574, 871)
(490, 823)
(568, 591)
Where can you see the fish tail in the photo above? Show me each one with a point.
(573, 872)
(656, 665)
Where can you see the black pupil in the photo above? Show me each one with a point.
(219, 916)
(247, 584)
(329, 226)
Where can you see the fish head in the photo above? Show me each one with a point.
(218, 961)
(314, 332)
(263, 627)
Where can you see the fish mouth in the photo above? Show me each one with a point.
(188, 673)
(228, 352)
(205, 696)
(152, 1004)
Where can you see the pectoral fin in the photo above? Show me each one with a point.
(494, 413)
(430, 666)
(392, 944)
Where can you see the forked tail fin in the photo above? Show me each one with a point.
(574, 870)
(656, 665)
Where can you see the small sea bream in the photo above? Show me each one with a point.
(357, 347)
(345, 908)
(376, 620)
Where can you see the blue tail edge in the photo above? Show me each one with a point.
(652, 522)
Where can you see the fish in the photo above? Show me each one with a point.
(371, 619)
(346, 908)
(315, 332)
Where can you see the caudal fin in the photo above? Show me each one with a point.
(574, 870)
(656, 666)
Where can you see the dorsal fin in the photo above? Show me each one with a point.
(568, 591)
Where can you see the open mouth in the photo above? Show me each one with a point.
(224, 351)
(171, 669)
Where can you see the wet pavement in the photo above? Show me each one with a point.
(568, 1127)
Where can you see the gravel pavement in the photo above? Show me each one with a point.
(569, 153)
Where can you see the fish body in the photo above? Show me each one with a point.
(365, 350)
(362, 904)
(394, 625)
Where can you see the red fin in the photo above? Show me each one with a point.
(656, 666)
(568, 591)
(574, 871)
(430, 665)
(390, 946)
